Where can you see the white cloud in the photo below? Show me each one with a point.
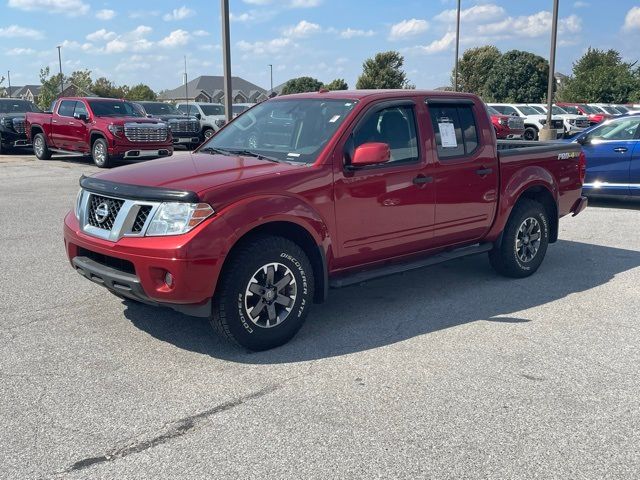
(476, 13)
(178, 14)
(105, 14)
(439, 45)
(115, 46)
(14, 31)
(302, 29)
(68, 7)
(352, 33)
(632, 19)
(101, 35)
(408, 28)
(580, 4)
(20, 51)
(288, 3)
(531, 25)
(175, 39)
(201, 33)
(70, 44)
(259, 48)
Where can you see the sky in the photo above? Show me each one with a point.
(146, 40)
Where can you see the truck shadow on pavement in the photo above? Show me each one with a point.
(392, 309)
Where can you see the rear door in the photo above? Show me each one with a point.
(609, 150)
(466, 177)
(62, 124)
(80, 128)
(384, 210)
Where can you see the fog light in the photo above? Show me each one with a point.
(168, 279)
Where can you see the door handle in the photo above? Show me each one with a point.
(483, 172)
(620, 149)
(54, 121)
(71, 123)
(421, 180)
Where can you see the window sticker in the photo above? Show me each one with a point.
(293, 154)
(334, 119)
(447, 135)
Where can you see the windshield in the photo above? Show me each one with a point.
(571, 109)
(492, 111)
(284, 130)
(622, 109)
(17, 106)
(527, 110)
(239, 108)
(160, 108)
(539, 109)
(589, 109)
(610, 110)
(212, 109)
(106, 108)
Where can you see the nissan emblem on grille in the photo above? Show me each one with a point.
(102, 212)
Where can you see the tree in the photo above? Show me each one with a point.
(50, 88)
(383, 71)
(82, 80)
(301, 85)
(601, 76)
(337, 84)
(141, 92)
(474, 68)
(103, 87)
(517, 77)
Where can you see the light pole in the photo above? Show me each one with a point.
(60, 65)
(226, 59)
(455, 68)
(9, 80)
(271, 75)
(547, 132)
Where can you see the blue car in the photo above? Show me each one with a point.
(612, 149)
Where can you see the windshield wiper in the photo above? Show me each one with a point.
(217, 150)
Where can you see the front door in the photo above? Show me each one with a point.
(466, 177)
(384, 210)
(61, 125)
(80, 128)
(609, 149)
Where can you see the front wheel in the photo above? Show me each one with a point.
(40, 147)
(524, 241)
(208, 133)
(264, 293)
(530, 134)
(100, 154)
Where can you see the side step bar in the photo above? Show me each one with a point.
(363, 276)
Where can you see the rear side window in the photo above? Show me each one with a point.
(66, 108)
(454, 127)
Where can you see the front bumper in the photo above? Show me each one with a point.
(181, 140)
(125, 149)
(193, 259)
(14, 139)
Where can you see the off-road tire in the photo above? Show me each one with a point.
(530, 134)
(231, 318)
(40, 148)
(100, 154)
(507, 259)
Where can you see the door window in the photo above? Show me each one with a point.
(394, 126)
(620, 130)
(66, 108)
(454, 127)
(81, 109)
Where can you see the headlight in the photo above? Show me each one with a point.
(76, 209)
(117, 130)
(543, 122)
(6, 122)
(175, 218)
(503, 121)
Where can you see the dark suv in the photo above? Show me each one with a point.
(185, 130)
(12, 123)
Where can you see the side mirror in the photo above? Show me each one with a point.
(149, 115)
(583, 140)
(80, 116)
(198, 116)
(372, 153)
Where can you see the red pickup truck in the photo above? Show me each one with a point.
(108, 129)
(310, 191)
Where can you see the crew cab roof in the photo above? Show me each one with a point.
(375, 94)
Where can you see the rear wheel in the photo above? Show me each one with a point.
(524, 241)
(100, 154)
(264, 293)
(40, 147)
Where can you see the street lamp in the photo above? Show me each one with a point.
(60, 64)
(455, 69)
(226, 59)
(547, 132)
(9, 80)
(271, 75)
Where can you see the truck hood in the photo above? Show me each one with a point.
(197, 172)
(123, 120)
(167, 118)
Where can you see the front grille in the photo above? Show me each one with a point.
(582, 123)
(557, 124)
(105, 217)
(141, 218)
(516, 123)
(19, 125)
(184, 126)
(145, 133)
(108, 261)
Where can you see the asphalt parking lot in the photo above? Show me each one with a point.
(445, 372)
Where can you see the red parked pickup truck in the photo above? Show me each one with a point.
(106, 128)
(310, 191)
(507, 127)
